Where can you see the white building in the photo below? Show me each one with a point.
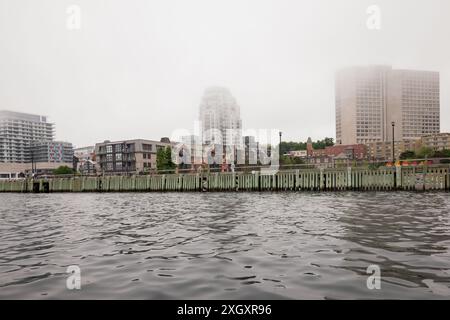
(220, 118)
(18, 131)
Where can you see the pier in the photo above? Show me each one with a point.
(358, 179)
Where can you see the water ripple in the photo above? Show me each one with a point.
(225, 245)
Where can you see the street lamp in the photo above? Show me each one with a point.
(280, 144)
(393, 141)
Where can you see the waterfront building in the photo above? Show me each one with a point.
(369, 99)
(437, 141)
(128, 156)
(351, 152)
(85, 152)
(52, 151)
(382, 150)
(17, 132)
(85, 160)
(331, 155)
(220, 118)
(27, 145)
(17, 170)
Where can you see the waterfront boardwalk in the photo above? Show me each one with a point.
(384, 178)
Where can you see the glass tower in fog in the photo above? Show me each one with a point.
(220, 112)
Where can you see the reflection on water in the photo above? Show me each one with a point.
(225, 245)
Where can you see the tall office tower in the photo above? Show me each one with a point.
(18, 131)
(219, 113)
(370, 99)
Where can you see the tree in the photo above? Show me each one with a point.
(287, 160)
(408, 155)
(164, 160)
(445, 153)
(285, 147)
(63, 170)
(425, 152)
(322, 144)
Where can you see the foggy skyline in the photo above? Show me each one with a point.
(139, 69)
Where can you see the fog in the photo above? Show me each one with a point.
(138, 69)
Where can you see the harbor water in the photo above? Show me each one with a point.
(249, 245)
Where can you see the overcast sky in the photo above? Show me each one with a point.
(138, 68)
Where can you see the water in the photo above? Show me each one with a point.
(225, 245)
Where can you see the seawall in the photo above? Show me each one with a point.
(395, 178)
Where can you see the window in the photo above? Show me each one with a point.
(109, 149)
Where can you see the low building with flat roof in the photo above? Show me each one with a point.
(382, 150)
(437, 141)
(18, 170)
(128, 156)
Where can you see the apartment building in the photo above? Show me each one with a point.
(438, 141)
(52, 151)
(128, 156)
(382, 150)
(18, 131)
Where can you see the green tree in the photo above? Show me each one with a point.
(322, 144)
(164, 160)
(408, 155)
(425, 152)
(445, 153)
(63, 170)
(286, 146)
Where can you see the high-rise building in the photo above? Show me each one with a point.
(18, 131)
(220, 118)
(369, 99)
